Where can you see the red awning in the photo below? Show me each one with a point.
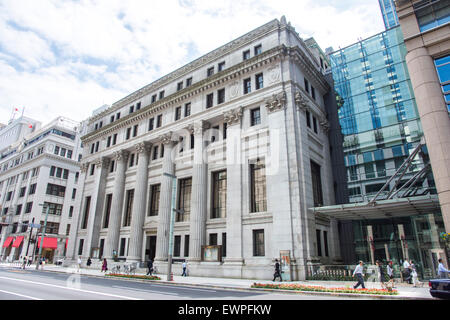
(7, 242)
(51, 243)
(17, 242)
(67, 241)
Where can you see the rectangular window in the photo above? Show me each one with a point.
(56, 190)
(186, 245)
(70, 211)
(325, 242)
(258, 186)
(219, 194)
(316, 184)
(92, 169)
(313, 93)
(87, 206)
(56, 150)
(224, 131)
(129, 208)
(22, 192)
(80, 247)
(154, 199)
(221, 96)
(118, 116)
(151, 124)
(155, 153)
(210, 72)
(306, 85)
(187, 109)
(32, 189)
(221, 66)
(368, 168)
(128, 134)
(258, 49)
(184, 199)
(131, 109)
(224, 244)
(319, 243)
(177, 246)
(255, 117)
(258, 243)
(159, 121)
(246, 55)
(18, 209)
(107, 210)
(177, 113)
(247, 86)
(315, 124)
(213, 239)
(69, 154)
(112, 166)
(28, 207)
(123, 242)
(135, 130)
(209, 100)
(114, 139)
(153, 98)
(74, 193)
(259, 81)
(108, 142)
(188, 82)
(97, 144)
(161, 95)
(179, 86)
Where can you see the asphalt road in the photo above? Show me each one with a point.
(17, 284)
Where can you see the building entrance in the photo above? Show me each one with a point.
(150, 248)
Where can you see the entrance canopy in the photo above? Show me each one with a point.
(17, 242)
(382, 209)
(8, 242)
(50, 243)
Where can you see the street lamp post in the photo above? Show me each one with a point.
(42, 235)
(172, 221)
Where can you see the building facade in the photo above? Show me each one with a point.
(245, 131)
(388, 13)
(40, 171)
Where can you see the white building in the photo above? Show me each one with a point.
(42, 168)
(244, 130)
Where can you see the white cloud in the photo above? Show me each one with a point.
(70, 57)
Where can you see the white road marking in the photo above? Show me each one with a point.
(74, 289)
(146, 290)
(185, 288)
(20, 295)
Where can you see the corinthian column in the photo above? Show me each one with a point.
(162, 243)
(138, 216)
(112, 238)
(198, 201)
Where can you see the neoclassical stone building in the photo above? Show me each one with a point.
(245, 132)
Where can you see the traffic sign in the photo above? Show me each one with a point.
(34, 225)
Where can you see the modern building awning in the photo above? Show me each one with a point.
(382, 209)
(17, 242)
(8, 242)
(50, 243)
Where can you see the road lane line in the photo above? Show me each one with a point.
(74, 289)
(146, 290)
(20, 295)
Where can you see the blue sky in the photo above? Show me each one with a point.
(67, 58)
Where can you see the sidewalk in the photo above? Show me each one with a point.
(405, 291)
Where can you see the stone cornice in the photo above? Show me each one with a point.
(190, 67)
(217, 79)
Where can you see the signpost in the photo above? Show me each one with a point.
(172, 220)
(42, 235)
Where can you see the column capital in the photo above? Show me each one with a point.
(199, 127)
(301, 102)
(84, 167)
(102, 161)
(121, 155)
(276, 102)
(234, 116)
(166, 138)
(143, 147)
(325, 124)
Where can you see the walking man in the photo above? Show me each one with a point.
(277, 271)
(442, 271)
(359, 275)
(79, 263)
(184, 266)
(149, 266)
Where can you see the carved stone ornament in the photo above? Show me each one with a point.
(200, 127)
(233, 116)
(300, 101)
(121, 154)
(234, 90)
(274, 74)
(276, 103)
(84, 167)
(143, 147)
(102, 162)
(325, 125)
(166, 138)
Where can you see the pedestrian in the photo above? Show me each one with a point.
(150, 267)
(390, 273)
(407, 271)
(24, 262)
(184, 266)
(442, 271)
(381, 277)
(89, 262)
(43, 263)
(277, 273)
(104, 265)
(30, 259)
(415, 276)
(359, 275)
(79, 263)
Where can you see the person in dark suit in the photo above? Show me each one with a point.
(149, 267)
(277, 273)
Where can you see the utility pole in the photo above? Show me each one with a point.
(29, 238)
(172, 218)
(42, 235)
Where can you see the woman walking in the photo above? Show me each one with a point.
(104, 265)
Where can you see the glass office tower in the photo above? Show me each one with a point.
(378, 113)
(390, 17)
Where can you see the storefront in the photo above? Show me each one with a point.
(393, 230)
